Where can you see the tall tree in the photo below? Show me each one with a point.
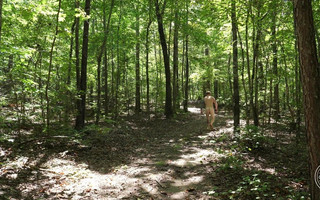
(77, 48)
(159, 13)
(186, 88)
(276, 102)
(138, 81)
(236, 106)
(175, 57)
(83, 77)
(50, 65)
(99, 58)
(147, 57)
(310, 73)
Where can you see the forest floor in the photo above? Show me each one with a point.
(142, 158)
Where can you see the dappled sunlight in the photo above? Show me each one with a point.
(165, 159)
(199, 156)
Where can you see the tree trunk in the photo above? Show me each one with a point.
(186, 88)
(68, 93)
(99, 58)
(50, 65)
(138, 81)
(216, 89)
(236, 106)
(310, 73)
(117, 104)
(168, 106)
(248, 63)
(255, 65)
(147, 58)
(243, 80)
(83, 77)
(175, 57)
(157, 74)
(276, 101)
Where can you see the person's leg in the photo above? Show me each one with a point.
(212, 117)
(207, 115)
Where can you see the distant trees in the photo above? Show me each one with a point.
(148, 55)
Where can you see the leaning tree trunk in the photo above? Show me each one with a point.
(310, 74)
(168, 106)
(236, 106)
(83, 77)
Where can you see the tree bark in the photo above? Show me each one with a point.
(168, 104)
(80, 120)
(310, 74)
(236, 97)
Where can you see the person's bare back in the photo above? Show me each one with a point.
(209, 101)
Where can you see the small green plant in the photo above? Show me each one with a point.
(231, 162)
(252, 138)
(251, 187)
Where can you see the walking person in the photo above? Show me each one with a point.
(210, 103)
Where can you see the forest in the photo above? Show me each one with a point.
(104, 99)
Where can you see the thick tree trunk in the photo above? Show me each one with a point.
(236, 97)
(168, 106)
(80, 120)
(310, 73)
(138, 81)
(50, 66)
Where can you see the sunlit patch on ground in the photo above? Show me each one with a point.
(156, 159)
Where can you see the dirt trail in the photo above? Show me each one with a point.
(138, 159)
(171, 159)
